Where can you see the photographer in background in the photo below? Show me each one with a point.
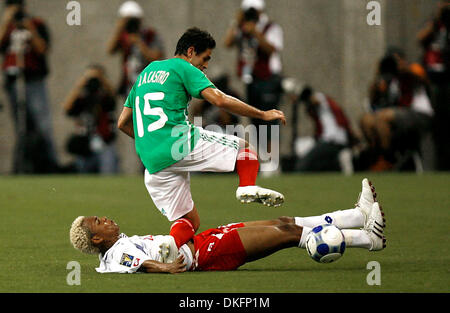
(333, 133)
(139, 46)
(435, 41)
(24, 43)
(92, 103)
(259, 41)
(400, 111)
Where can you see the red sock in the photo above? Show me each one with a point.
(247, 166)
(182, 231)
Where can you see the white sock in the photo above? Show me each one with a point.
(356, 238)
(305, 232)
(342, 219)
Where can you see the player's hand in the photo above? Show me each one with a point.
(178, 266)
(272, 115)
(122, 22)
(239, 17)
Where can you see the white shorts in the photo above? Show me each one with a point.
(170, 188)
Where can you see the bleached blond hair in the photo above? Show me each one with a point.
(80, 237)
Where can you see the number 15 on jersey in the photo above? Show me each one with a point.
(148, 110)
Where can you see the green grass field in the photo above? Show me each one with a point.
(37, 211)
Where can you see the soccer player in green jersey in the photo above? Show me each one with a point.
(170, 147)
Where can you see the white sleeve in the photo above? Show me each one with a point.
(124, 258)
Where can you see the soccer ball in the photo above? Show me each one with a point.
(325, 243)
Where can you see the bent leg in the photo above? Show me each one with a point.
(193, 217)
(171, 194)
(244, 144)
(261, 241)
(384, 119)
(278, 221)
(368, 128)
(350, 218)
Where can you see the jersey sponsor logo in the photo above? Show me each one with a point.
(126, 260)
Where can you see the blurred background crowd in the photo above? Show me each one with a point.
(358, 97)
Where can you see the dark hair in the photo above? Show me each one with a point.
(393, 50)
(15, 2)
(251, 15)
(388, 65)
(445, 16)
(194, 37)
(305, 94)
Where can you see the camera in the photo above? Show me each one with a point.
(445, 16)
(132, 26)
(93, 85)
(20, 14)
(388, 68)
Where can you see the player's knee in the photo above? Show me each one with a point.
(286, 220)
(194, 219)
(291, 229)
(195, 225)
(367, 121)
(244, 144)
(385, 115)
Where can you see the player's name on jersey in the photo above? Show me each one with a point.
(158, 77)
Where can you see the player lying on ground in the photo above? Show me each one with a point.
(226, 247)
(155, 114)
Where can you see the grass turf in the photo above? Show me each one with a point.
(37, 211)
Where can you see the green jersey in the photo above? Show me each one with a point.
(159, 99)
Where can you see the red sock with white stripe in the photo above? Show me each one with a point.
(182, 231)
(247, 166)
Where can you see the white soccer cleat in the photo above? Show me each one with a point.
(375, 228)
(248, 194)
(367, 197)
(168, 250)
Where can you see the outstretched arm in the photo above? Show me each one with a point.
(113, 43)
(150, 266)
(236, 106)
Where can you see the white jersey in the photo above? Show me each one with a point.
(128, 254)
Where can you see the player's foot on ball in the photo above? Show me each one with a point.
(375, 228)
(367, 197)
(248, 194)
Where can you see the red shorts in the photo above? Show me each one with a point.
(219, 249)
